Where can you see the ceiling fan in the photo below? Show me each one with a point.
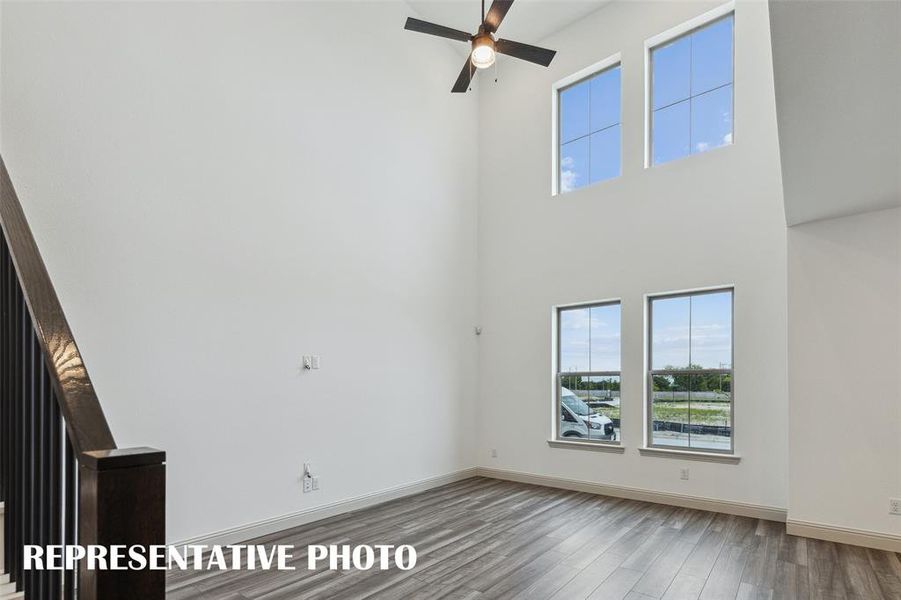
(485, 45)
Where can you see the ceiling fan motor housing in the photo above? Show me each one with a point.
(483, 49)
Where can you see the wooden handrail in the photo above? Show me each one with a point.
(85, 421)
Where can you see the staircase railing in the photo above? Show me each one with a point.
(62, 478)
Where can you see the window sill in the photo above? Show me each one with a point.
(732, 459)
(614, 447)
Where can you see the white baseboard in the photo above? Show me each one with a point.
(856, 537)
(756, 511)
(243, 533)
(844, 535)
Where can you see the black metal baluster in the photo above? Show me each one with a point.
(18, 430)
(42, 505)
(55, 502)
(4, 396)
(8, 439)
(24, 352)
(3, 440)
(71, 525)
(12, 407)
(31, 441)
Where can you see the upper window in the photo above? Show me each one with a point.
(589, 130)
(690, 375)
(588, 372)
(691, 92)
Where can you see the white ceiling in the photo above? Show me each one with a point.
(528, 20)
(837, 68)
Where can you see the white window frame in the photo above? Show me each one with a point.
(667, 36)
(587, 72)
(556, 373)
(649, 373)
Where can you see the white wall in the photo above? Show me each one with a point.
(707, 220)
(220, 188)
(845, 370)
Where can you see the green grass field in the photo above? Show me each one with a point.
(703, 413)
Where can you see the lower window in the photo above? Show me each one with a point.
(690, 376)
(587, 402)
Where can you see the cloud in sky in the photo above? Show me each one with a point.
(590, 339)
(567, 175)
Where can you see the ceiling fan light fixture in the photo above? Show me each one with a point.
(483, 52)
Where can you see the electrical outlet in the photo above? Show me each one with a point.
(494, 453)
(683, 474)
(307, 484)
(315, 482)
(894, 506)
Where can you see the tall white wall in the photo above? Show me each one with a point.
(845, 371)
(711, 219)
(220, 188)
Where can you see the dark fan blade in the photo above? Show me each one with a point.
(439, 30)
(532, 54)
(496, 14)
(465, 77)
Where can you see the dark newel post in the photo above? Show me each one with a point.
(122, 501)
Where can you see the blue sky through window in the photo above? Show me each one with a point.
(590, 130)
(590, 338)
(692, 330)
(691, 87)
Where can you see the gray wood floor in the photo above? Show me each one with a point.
(483, 538)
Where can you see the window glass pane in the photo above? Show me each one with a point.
(711, 331)
(671, 130)
(711, 56)
(711, 411)
(605, 332)
(669, 407)
(605, 99)
(711, 120)
(671, 68)
(603, 399)
(695, 74)
(574, 165)
(574, 112)
(574, 340)
(604, 154)
(575, 414)
(669, 329)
